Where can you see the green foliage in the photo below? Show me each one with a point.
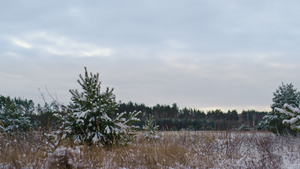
(244, 127)
(232, 115)
(89, 116)
(291, 116)
(273, 122)
(285, 94)
(151, 127)
(180, 118)
(26, 105)
(13, 118)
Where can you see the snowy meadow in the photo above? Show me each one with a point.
(171, 149)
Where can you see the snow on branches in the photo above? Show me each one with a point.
(92, 117)
(291, 116)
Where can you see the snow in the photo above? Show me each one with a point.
(186, 149)
(105, 117)
(291, 121)
(107, 130)
(282, 111)
(95, 138)
(297, 127)
(291, 108)
(82, 114)
(291, 114)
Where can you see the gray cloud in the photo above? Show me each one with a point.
(203, 54)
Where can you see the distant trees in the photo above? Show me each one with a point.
(14, 115)
(95, 116)
(252, 117)
(166, 116)
(27, 105)
(174, 118)
(232, 115)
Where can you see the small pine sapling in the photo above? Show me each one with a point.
(90, 115)
(151, 128)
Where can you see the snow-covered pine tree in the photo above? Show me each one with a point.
(151, 127)
(292, 116)
(13, 118)
(91, 115)
(285, 94)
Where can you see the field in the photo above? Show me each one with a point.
(180, 149)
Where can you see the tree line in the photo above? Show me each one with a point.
(165, 116)
(95, 117)
(175, 118)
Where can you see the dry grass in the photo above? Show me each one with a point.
(182, 149)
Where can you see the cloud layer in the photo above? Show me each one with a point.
(202, 54)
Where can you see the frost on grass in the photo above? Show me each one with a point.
(66, 157)
(180, 149)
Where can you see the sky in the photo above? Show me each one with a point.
(204, 54)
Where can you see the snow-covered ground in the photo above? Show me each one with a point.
(182, 149)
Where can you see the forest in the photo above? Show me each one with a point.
(168, 118)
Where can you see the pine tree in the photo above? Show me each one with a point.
(13, 118)
(91, 115)
(285, 94)
(151, 127)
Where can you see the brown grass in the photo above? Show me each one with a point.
(181, 149)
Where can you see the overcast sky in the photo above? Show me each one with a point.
(204, 54)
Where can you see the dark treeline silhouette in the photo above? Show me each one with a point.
(166, 116)
(173, 118)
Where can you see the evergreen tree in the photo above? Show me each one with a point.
(174, 111)
(151, 127)
(285, 94)
(27, 105)
(13, 118)
(90, 115)
(232, 115)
